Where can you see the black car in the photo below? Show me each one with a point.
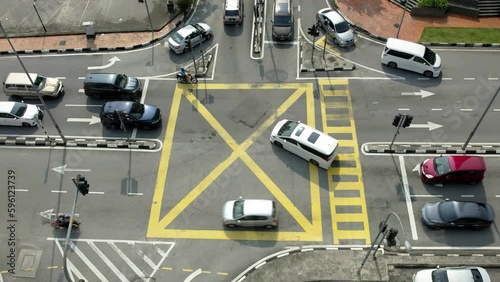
(112, 85)
(130, 114)
(455, 214)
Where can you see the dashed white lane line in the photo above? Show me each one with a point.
(466, 110)
(492, 78)
(81, 105)
(469, 78)
(21, 190)
(57, 191)
(134, 194)
(81, 77)
(60, 77)
(427, 196)
(436, 109)
(403, 109)
(496, 110)
(81, 91)
(97, 193)
(447, 78)
(423, 78)
(467, 196)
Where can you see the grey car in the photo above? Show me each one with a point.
(196, 33)
(335, 26)
(457, 214)
(250, 213)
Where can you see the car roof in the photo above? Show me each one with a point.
(258, 207)
(466, 163)
(315, 138)
(187, 30)
(20, 78)
(282, 7)
(6, 107)
(334, 16)
(400, 45)
(101, 78)
(122, 106)
(473, 210)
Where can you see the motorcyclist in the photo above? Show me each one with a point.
(184, 74)
(63, 220)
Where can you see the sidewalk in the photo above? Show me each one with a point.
(382, 18)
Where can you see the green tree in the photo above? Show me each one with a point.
(436, 4)
(184, 5)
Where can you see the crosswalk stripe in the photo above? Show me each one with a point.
(108, 262)
(84, 258)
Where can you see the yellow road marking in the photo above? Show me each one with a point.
(187, 270)
(343, 129)
(337, 92)
(157, 227)
(223, 273)
(52, 267)
(333, 105)
(166, 268)
(258, 86)
(206, 272)
(321, 43)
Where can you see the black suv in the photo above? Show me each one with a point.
(112, 85)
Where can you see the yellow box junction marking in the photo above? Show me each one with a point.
(157, 226)
(340, 99)
(321, 43)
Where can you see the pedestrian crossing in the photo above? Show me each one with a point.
(114, 260)
(345, 180)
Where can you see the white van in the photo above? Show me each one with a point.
(306, 142)
(18, 86)
(411, 56)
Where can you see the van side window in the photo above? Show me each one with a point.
(420, 60)
(290, 140)
(400, 54)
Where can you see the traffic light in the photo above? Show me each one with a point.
(188, 44)
(391, 237)
(82, 185)
(407, 121)
(396, 120)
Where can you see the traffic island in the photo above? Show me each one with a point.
(314, 59)
(411, 148)
(90, 142)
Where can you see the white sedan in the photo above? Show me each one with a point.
(196, 33)
(335, 26)
(19, 114)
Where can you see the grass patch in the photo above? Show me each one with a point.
(460, 35)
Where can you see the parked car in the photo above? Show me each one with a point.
(250, 213)
(195, 33)
(131, 114)
(457, 214)
(453, 169)
(19, 114)
(453, 274)
(112, 85)
(335, 26)
(306, 142)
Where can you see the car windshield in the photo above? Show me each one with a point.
(238, 209)
(282, 20)
(442, 165)
(287, 128)
(430, 56)
(231, 13)
(137, 110)
(342, 27)
(19, 109)
(121, 81)
(439, 275)
(177, 38)
(447, 211)
(39, 82)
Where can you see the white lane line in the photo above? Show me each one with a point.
(467, 196)
(1, 278)
(282, 43)
(492, 78)
(71, 267)
(81, 77)
(496, 110)
(97, 193)
(466, 110)
(127, 260)
(60, 77)
(87, 262)
(403, 109)
(426, 196)
(411, 215)
(144, 256)
(298, 8)
(81, 91)
(423, 78)
(134, 194)
(193, 275)
(469, 78)
(497, 196)
(21, 190)
(81, 105)
(437, 109)
(108, 262)
(143, 98)
(447, 78)
(299, 53)
(58, 191)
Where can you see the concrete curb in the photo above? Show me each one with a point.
(400, 148)
(91, 50)
(328, 69)
(90, 142)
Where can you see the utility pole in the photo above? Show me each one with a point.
(36, 10)
(400, 121)
(402, 18)
(37, 90)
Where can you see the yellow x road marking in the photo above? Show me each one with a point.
(158, 228)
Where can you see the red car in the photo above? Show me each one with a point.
(453, 169)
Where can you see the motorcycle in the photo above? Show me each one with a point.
(63, 223)
(182, 79)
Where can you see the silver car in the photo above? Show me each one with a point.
(335, 26)
(253, 213)
(196, 33)
(453, 274)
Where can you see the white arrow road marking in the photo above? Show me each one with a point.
(416, 168)
(46, 214)
(111, 61)
(91, 120)
(421, 93)
(62, 169)
(193, 275)
(429, 125)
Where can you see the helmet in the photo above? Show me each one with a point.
(182, 69)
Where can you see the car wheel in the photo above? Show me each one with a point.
(25, 124)
(269, 226)
(392, 65)
(428, 73)
(335, 41)
(208, 36)
(278, 144)
(314, 162)
(231, 225)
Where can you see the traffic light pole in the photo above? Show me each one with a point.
(401, 121)
(66, 273)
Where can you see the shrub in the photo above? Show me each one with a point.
(184, 5)
(436, 4)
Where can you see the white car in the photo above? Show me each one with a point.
(19, 114)
(196, 33)
(452, 274)
(312, 145)
(335, 27)
(250, 213)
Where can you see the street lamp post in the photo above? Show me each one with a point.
(383, 231)
(149, 16)
(402, 18)
(36, 10)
